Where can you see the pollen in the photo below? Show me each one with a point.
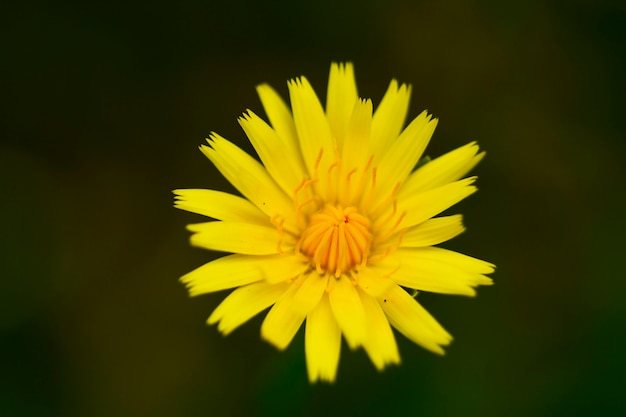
(336, 240)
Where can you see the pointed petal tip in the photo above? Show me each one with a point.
(212, 319)
(485, 281)
(342, 65)
(402, 88)
(469, 181)
(184, 280)
(380, 365)
(471, 292)
(263, 86)
(299, 82)
(225, 330)
(195, 227)
(490, 268)
(194, 293)
(209, 148)
(406, 89)
(439, 351)
(245, 116)
(322, 378)
(269, 339)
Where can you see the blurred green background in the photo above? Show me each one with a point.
(103, 107)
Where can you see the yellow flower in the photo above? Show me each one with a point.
(334, 224)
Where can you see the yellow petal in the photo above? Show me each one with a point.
(250, 178)
(238, 270)
(340, 99)
(244, 303)
(282, 322)
(423, 273)
(380, 344)
(356, 152)
(390, 116)
(403, 153)
(279, 160)
(374, 279)
(425, 205)
(280, 117)
(312, 127)
(348, 311)
(443, 170)
(456, 259)
(322, 343)
(235, 237)
(219, 205)
(310, 292)
(413, 321)
(433, 231)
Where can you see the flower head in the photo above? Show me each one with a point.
(334, 224)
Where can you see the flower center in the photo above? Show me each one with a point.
(336, 240)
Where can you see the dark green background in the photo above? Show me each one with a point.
(103, 105)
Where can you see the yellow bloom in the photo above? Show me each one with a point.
(334, 224)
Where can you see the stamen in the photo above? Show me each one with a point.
(374, 170)
(333, 185)
(378, 211)
(304, 203)
(333, 166)
(365, 202)
(297, 190)
(336, 240)
(304, 185)
(401, 236)
(318, 160)
(392, 230)
(349, 176)
(390, 247)
(278, 221)
(345, 190)
(397, 223)
(369, 163)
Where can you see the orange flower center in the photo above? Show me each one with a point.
(336, 240)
